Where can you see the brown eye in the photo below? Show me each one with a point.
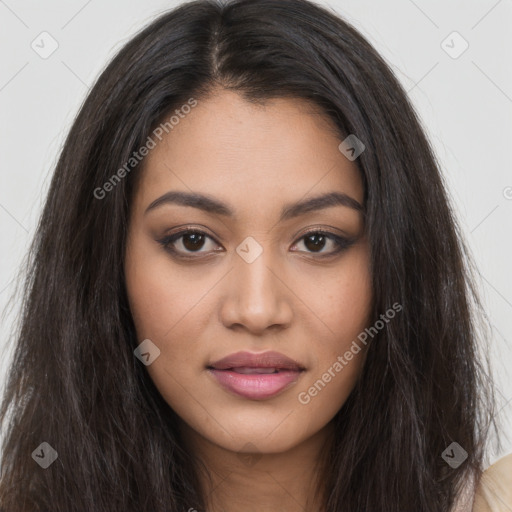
(316, 241)
(187, 242)
(193, 241)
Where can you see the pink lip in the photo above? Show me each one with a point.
(251, 383)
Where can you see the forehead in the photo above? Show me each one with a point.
(250, 154)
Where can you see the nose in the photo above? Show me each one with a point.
(256, 296)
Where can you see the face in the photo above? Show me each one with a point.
(227, 257)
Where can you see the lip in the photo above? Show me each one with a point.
(243, 373)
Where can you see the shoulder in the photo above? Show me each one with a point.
(494, 491)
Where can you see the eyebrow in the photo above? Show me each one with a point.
(289, 211)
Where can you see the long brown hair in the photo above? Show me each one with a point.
(75, 383)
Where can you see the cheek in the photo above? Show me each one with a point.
(342, 299)
(345, 302)
(160, 314)
(169, 307)
(161, 295)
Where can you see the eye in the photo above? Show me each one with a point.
(186, 241)
(316, 241)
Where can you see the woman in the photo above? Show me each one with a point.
(247, 289)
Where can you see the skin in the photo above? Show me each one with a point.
(257, 159)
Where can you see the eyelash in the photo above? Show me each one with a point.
(341, 242)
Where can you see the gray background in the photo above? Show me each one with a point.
(465, 104)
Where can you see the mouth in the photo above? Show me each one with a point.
(256, 376)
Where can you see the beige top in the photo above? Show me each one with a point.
(494, 492)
